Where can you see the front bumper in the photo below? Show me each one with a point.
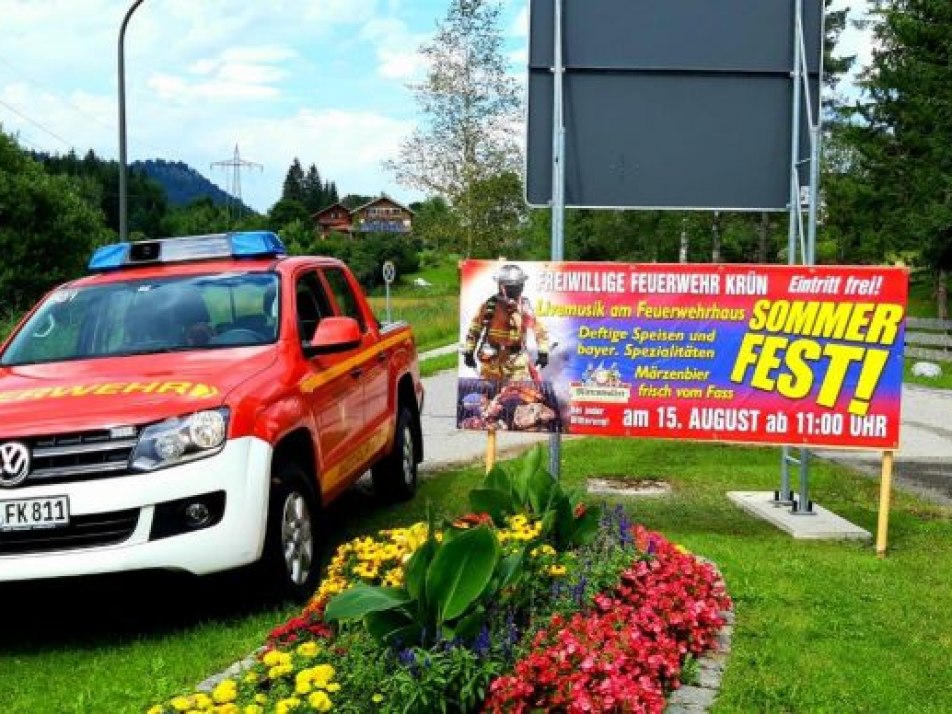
(241, 470)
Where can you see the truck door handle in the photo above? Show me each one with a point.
(355, 373)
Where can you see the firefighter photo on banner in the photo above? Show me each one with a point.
(505, 353)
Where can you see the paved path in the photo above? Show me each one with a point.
(923, 463)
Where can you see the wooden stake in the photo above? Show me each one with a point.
(885, 492)
(490, 449)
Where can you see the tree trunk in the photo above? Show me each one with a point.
(683, 251)
(716, 231)
(942, 295)
(762, 246)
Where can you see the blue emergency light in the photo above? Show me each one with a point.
(246, 244)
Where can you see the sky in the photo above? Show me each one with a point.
(324, 81)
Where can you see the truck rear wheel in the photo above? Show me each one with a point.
(291, 552)
(395, 476)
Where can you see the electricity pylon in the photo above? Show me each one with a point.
(233, 187)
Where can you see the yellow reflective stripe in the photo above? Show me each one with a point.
(314, 381)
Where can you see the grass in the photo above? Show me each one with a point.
(433, 312)
(439, 363)
(821, 626)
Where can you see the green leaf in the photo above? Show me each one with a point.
(496, 503)
(530, 464)
(586, 527)
(355, 602)
(393, 626)
(468, 626)
(510, 568)
(414, 573)
(498, 479)
(540, 490)
(460, 572)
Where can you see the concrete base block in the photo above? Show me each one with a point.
(822, 525)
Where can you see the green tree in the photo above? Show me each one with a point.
(293, 188)
(315, 196)
(902, 133)
(288, 210)
(470, 106)
(48, 227)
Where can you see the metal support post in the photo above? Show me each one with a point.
(558, 192)
(784, 496)
(123, 189)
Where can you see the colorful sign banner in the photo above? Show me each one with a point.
(795, 355)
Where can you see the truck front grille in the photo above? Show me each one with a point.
(82, 532)
(78, 457)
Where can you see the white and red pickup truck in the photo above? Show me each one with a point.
(191, 406)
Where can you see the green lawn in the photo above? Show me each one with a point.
(821, 626)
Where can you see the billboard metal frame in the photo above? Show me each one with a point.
(799, 235)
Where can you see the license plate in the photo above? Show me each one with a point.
(28, 513)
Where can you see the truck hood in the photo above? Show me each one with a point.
(102, 393)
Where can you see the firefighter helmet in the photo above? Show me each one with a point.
(511, 280)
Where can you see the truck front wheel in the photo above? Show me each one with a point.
(395, 477)
(291, 551)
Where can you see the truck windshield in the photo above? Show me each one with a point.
(149, 316)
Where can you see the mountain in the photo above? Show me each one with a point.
(183, 184)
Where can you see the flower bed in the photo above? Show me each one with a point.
(530, 603)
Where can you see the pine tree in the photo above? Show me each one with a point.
(294, 183)
(314, 196)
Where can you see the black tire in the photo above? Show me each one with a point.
(395, 476)
(291, 548)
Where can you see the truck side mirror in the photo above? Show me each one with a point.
(334, 334)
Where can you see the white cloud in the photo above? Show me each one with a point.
(520, 26)
(396, 48)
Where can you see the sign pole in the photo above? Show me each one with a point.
(885, 493)
(558, 193)
(389, 273)
(490, 450)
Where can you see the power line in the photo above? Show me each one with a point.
(37, 124)
(236, 164)
(55, 94)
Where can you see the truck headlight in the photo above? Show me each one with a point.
(180, 439)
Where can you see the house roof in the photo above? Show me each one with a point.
(321, 212)
(383, 198)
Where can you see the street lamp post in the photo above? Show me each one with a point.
(123, 189)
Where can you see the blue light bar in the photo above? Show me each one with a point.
(246, 244)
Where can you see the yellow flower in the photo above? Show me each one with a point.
(287, 705)
(253, 709)
(279, 671)
(203, 701)
(377, 698)
(226, 691)
(556, 570)
(181, 704)
(275, 657)
(157, 709)
(251, 677)
(302, 687)
(308, 649)
(230, 708)
(333, 687)
(320, 702)
(261, 698)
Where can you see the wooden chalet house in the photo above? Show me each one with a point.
(382, 215)
(333, 219)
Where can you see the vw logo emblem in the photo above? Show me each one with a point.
(14, 463)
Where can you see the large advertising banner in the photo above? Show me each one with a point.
(794, 355)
